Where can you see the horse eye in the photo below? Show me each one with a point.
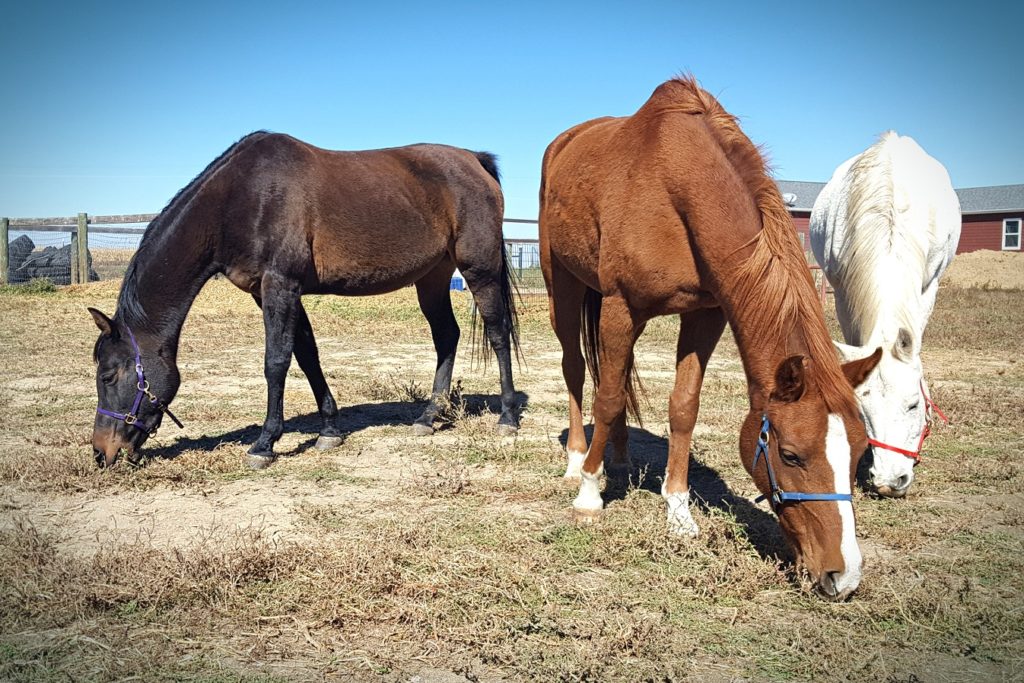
(789, 457)
(913, 406)
(109, 378)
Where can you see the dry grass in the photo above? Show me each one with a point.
(454, 556)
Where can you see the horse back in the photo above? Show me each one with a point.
(359, 222)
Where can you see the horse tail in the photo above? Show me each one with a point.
(490, 164)
(509, 287)
(590, 316)
(509, 292)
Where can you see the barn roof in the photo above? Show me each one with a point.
(996, 199)
(800, 195)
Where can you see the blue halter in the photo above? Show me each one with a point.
(778, 496)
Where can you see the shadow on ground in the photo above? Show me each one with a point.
(352, 419)
(649, 455)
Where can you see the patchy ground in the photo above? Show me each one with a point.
(987, 269)
(454, 557)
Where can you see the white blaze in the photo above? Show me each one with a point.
(837, 450)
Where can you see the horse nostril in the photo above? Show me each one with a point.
(903, 482)
(827, 584)
(99, 457)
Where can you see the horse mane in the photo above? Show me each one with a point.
(128, 305)
(774, 280)
(876, 238)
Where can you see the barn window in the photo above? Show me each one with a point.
(1011, 233)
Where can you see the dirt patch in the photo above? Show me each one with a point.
(987, 269)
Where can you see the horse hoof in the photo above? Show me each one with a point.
(419, 429)
(585, 517)
(326, 443)
(259, 462)
(507, 430)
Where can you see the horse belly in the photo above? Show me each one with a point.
(377, 261)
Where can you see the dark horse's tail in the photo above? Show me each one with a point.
(589, 331)
(509, 290)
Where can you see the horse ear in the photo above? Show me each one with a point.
(105, 324)
(790, 379)
(904, 346)
(847, 352)
(857, 371)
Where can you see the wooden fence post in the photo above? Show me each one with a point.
(83, 249)
(74, 259)
(5, 225)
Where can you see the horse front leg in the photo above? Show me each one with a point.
(699, 333)
(308, 356)
(280, 299)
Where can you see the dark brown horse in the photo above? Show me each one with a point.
(282, 218)
(672, 211)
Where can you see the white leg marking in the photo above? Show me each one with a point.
(680, 521)
(589, 497)
(837, 449)
(574, 468)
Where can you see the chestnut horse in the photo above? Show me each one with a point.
(672, 211)
(282, 218)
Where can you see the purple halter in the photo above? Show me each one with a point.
(142, 386)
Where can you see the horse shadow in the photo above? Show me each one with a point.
(351, 419)
(649, 455)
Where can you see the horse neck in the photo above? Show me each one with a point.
(163, 280)
(873, 309)
(773, 318)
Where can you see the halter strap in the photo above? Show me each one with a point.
(777, 495)
(915, 455)
(142, 390)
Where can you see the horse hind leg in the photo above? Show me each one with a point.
(436, 303)
(565, 303)
(618, 334)
(492, 292)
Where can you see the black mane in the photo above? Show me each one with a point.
(128, 305)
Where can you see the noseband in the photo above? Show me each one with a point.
(142, 386)
(916, 454)
(778, 496)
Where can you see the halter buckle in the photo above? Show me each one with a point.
(130, 419)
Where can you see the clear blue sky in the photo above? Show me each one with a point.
(112, 107)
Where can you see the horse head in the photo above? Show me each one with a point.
(894, 405)
(134, 384)
(803, 458)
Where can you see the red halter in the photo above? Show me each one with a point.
(916, 455)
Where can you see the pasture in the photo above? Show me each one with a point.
(455, 556)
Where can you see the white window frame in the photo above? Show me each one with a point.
(1020, 233)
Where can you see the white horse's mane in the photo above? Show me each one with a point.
(884, 258)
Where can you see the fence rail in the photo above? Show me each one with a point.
(100, 247)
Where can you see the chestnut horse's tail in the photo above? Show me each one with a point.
(589, 332)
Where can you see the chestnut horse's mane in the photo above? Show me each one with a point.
(774, 280)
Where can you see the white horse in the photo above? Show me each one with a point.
(883, 230)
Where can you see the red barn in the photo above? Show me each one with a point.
(992, 217)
